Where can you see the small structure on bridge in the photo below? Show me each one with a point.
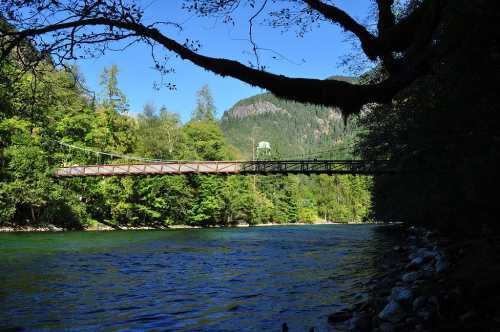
(263, 149)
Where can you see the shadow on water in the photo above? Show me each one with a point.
(251, 279)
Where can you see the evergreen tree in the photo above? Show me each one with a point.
(205, 107)
(112, 96)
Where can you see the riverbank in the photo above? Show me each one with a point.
(101, 227)
(404, 296)
(430, 283)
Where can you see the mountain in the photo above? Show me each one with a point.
(293, 129)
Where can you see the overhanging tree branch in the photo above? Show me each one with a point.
(386, 19)
(368, 41)
(110, 20)
(349, 97)
(402, 35)
(393, 37)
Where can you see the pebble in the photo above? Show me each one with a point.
(428, 270)
(419, 327)
(412, 255)
(468, 316)
(418, 303)
(397, 248)
(392, 312)
(410, 277)
(401, 295)
(415, 263)
(426, 254)
(441, 265)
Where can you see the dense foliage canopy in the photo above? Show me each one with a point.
(443, 131)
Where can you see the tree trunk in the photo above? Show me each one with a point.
(33, 216)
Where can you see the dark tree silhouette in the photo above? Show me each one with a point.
(405, 46)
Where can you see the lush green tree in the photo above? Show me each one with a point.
(209, 202)
(159, 135)
(29, 193)
(113, 130)
(164, 200)
(205, 107)
(342, 198)
(239, 200)
(112, 96)
(205, 140)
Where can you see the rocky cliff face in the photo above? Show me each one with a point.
(257, 108)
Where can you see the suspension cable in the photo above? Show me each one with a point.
(109, 154)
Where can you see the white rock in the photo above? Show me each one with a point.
(415, 262)
(401, 295)
(392, 312)
(53, 228)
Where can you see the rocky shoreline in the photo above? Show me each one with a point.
(406, 296)
(102, 227)
(430, 282)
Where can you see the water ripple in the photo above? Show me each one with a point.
(196, 280)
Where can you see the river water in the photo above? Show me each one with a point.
(238, 279)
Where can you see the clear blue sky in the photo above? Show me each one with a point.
(320, 49)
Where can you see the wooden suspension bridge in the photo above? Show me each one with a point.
(263, 167)
(136, 166)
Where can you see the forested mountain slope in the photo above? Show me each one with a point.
(292, 128)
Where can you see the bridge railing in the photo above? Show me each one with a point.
(158, 168)
(232, 167)
(317, 167)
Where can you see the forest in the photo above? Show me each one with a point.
(47, 121)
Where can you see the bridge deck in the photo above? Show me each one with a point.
(231, 167)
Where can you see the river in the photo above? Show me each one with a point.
(235, 279)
